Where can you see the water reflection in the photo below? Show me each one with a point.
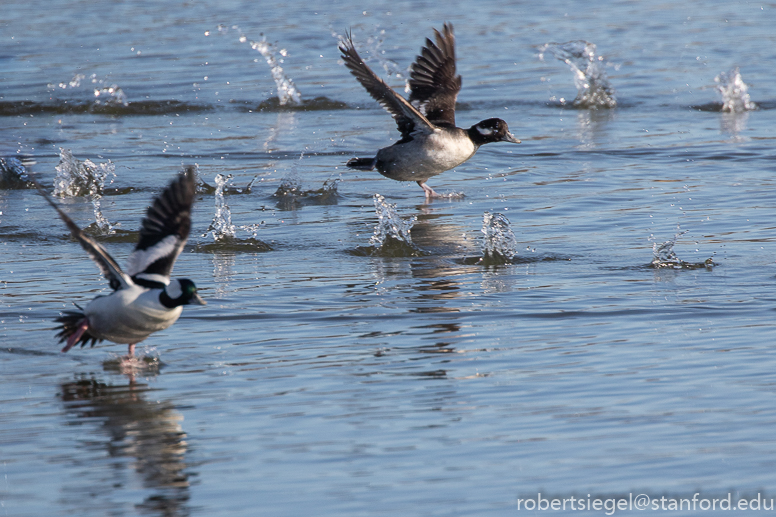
(148, 433)
(733, 124)
(592, 126)
(223, 273)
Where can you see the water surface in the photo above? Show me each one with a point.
(322, 379)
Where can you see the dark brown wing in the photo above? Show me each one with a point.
(434, 85)
(408, 118)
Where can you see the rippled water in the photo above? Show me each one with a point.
(325, 379)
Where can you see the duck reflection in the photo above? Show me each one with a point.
(147, 432)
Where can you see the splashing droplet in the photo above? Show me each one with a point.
(80, 178)
(499, 244)
(85, 178)
(734, 91)
(221, 227)
(390, 225)
(287, 92)
(663, 255)
(593, 88)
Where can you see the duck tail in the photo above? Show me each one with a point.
(75, 329)
(362, 164)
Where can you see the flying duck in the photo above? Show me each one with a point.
(430, 141)
(144, 298)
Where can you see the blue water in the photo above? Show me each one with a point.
(323, 380)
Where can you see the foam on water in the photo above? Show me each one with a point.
(734, 92)
(499, 244)
(593, 88)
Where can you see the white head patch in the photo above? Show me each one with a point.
(174, 290)
(484, 131)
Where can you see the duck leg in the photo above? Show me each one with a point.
(131, 352)
(430, 194)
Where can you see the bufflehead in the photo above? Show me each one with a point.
(431, 143)
(144, 299)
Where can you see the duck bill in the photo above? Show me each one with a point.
(197, 300)
(509, 137)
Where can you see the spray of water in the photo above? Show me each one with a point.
(104, 93)
(664, 256)
(221, 228)
(85, 178)
(392, 234)
(80, 178)
(371, 50)
(499, 244)
(223, 231)
(734, 91)
(287, 91)
(110, 96)
(593, 88)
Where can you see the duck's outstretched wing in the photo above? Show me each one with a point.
(434, 85)
(109, 267)
(164, 231)
(408, 118)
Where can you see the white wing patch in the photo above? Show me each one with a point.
(139, 260)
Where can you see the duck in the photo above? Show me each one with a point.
(430, 141)
(144, 299)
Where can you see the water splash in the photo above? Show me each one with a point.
(110, 96)
(224, 231)
(80, 178)
(593, 88)
(290, 185)
(391, 237)
(499, 244)
(85, 178)
(734, 91)
(291, 195)
(371, 50)
(13, 174)
(101, 224)
(75, 82)
(105, 94)
(389, 224)
(221, 228)
(287, 91)
(664, 256)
